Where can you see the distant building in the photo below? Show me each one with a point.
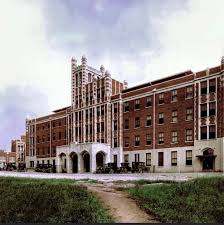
(6, 157)
(174, 124)
(19, 148)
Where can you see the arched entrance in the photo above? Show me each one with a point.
(86, 161)
(63, 163)
(100, 159)
(74, 159)
(208, 159)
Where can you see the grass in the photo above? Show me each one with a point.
(197, 201)
(25, 200)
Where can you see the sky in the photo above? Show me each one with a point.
(136, 40)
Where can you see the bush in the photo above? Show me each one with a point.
(48, 201)
(196, 201)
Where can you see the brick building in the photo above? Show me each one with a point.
(6, 157)
(19, 148)
(174, 124)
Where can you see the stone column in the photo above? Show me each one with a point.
(58, 164)
(80, 163)
(68, 164)
(92, 162)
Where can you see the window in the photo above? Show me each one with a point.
(174, 137)
(204, 88)
(137, 157)
(161, 98)
(189, 157)
(161, 118)
(137, 140)
(53, 162)
(137, 122)
(115, 124)
(148, 159)
(126, 142)
(148, 139)
(59, 135)
(102, 110)
(115, 159)
(137, 104)
(189, 135)
(174, 116)
(160, 158)
(204, 132)
(212, 86)
(115, 108)
(173, 158)
(189, 114)
(53, 124)
(173, 95)
(211, 132)
(189, 91)
(148, 101)
(212, 109)
(102, 126)
(161, 138)
(38, 139)
(98, 111)
(98, 127)
(54, 136)
(126, 106)
(203, 110)
(126, 124)
(148, 120)
(115, 142)
(31, 164)
(126, 158)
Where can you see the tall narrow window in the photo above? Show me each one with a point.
(126, 106)
(148, 120)
(160, 158)
(115, 108)
(148, 101)
(161, 98)
(148, 159)
(115, 124)
(212, 109)
(174, 116)
(148, 139)
(203, 110)
(161, 138)
(189, 157)
(174, 137)
(137, 104)
(115, 142)
(137, 157)
(189, 91)
(204, 132)
(161, 118)
(126, 142)
(212, 85)
(189, 135)
(203, 87)
(212, 132)
(173, 95)
(137, 140)
(189, 114)
(126, 124)
(173, 158)
(137, 122)
(126, 158)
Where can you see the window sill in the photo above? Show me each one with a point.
(148, 145)
(136, 109)
(148, 126)
(173, 122)
(173, 101)
(188, 98)
(148, 106)
(189, 141)
(161, 144)
(173, 143)
(137, 127)
(160, 123)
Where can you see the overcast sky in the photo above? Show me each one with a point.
(136, 40)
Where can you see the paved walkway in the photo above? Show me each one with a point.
(111, 177)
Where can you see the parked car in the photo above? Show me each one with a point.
(21, 167)
(45, 168)
(10, 167)
(139, 167)
(125, 168)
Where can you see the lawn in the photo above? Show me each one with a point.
(25, 200)
(197, 201)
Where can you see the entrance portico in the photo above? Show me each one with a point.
(82, 158)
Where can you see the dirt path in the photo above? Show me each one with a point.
(122, 208)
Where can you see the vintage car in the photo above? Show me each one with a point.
(125, 168)
(45, 168)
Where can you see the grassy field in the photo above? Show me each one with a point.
(197, 201)
(48, 201)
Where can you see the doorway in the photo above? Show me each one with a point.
(74, 158)
(86, 162)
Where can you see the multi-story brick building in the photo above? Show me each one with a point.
(175, 124)
(19, 147)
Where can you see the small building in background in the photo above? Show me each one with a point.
(6, 157)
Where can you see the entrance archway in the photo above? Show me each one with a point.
(63, 163)
(74, 159)
(100, 159)
(86, 161)
(208, 159)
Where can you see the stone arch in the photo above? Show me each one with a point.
(85, 161)
(63, 162)
(73, 156)
(100, 159)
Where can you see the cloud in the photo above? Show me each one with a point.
(16, 106)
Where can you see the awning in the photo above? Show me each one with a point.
(205, 156)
